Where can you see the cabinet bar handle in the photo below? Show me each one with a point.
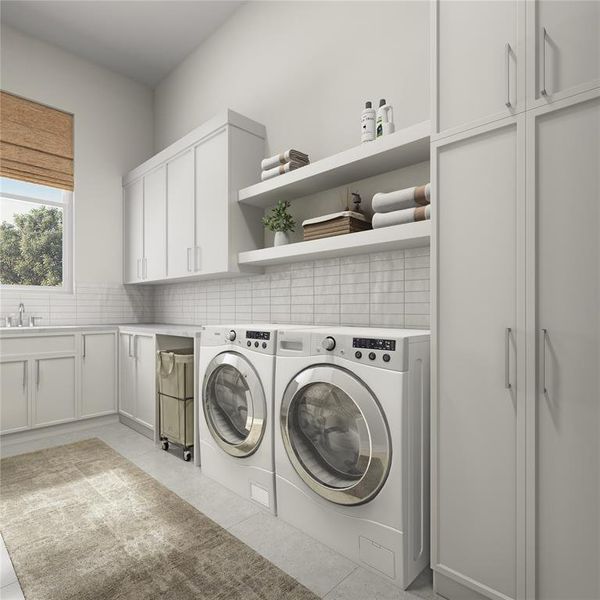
(134, 355)
(508, 103)
(83, 340)
(24, 375)
(129, 347)
(144, 268)
(139, 260)
(197, 258)
(189, 259)
(543, 359)
(507, 334)
(37, 373)
(543, 90)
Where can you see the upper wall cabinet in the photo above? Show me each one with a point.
(563, 49)
(181, 215)
(479, 63)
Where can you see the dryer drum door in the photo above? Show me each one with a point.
(336, 435)
(234, 404)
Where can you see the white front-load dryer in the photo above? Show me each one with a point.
(352, 443)
(236, 371)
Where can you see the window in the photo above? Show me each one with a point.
(35, 235)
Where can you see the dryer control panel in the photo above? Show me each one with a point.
(385, 353)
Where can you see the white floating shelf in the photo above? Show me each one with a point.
(400, 149)
(410, 235)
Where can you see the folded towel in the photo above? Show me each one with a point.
(384, 203)
(280, 170)
(399, 217)
(285, 157)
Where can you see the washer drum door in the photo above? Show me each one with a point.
(234, 404)
(335, 435)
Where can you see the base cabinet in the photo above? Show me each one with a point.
(98, 374)
(137, 379)
(14, 395)
(54, 393)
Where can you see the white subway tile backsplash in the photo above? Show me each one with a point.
(386, 289)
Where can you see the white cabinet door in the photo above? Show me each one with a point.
(564, 48)
(145, 380)
(477, 487)
(98, 374)
(212, 205)
(133, 231)
(14, 395)
(479, 62)
(566, 202)
(54, 398)
(155, 224)
(180, 215)
(126, 375)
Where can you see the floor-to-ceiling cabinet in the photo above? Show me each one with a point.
(479, 322)
(563, 203)
(516, 311)
(516, 340)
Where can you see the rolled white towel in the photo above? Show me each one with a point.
(290, 155)
(280, 170)
(400, 199)
(399, 217)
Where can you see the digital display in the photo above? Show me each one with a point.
(373, 344)
(258, 335)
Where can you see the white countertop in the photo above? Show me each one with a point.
(148, 328)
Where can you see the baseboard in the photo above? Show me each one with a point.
(29, 435)
(142, 429)
(452, 590)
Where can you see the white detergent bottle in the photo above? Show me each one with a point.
(385, 118)
(367, 123)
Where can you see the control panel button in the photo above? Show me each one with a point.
(358, 354)
(328, 343)
(386, 358)
(256, 344)
(248, 344)
(372, 356)
(264, 344)
(230, 336)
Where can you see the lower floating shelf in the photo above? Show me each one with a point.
(409, 235)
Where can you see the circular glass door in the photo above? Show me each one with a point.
(234, 404)
(335, 435)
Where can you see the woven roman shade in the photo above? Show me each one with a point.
(36, 142)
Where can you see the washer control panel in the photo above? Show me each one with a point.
(257, 340)
(386, 353)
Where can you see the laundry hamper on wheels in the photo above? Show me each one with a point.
(175, 370)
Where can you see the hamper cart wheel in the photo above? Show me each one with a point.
(165, 444)
(187, 455)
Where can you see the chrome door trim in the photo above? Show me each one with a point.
(380, 447)
(257, 410)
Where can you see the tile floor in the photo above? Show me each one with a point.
(325, 572)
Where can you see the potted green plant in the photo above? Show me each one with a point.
(280, 222)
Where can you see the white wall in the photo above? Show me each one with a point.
(304, 69)
(113, 133)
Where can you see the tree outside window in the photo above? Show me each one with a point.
(33, 235)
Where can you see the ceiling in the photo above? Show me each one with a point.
(142, 39)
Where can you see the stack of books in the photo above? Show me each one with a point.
(347, 221)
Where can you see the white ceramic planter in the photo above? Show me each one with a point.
(281, 238)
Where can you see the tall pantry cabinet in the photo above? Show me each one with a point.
(516, 324)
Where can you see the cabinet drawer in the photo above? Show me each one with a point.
(37, 345)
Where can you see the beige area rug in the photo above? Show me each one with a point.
(81, 522)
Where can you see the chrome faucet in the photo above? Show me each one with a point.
(21, 311)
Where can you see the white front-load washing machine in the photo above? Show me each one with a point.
(352, 445)
(236, 371)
